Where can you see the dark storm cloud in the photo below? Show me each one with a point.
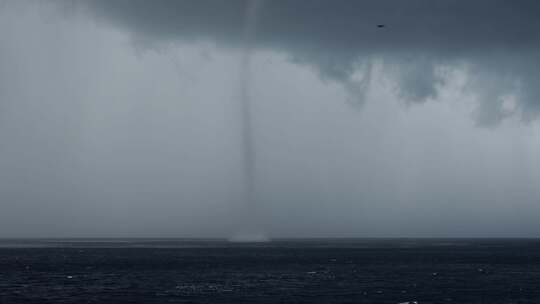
(494, 38)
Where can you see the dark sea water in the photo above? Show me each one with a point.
(285, 271)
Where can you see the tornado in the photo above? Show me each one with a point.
(250, 229)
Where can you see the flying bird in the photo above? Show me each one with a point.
(380, 25)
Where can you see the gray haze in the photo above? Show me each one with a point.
(120, 118)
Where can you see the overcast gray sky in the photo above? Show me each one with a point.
(120, 118)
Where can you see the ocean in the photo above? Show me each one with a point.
(282, 271)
